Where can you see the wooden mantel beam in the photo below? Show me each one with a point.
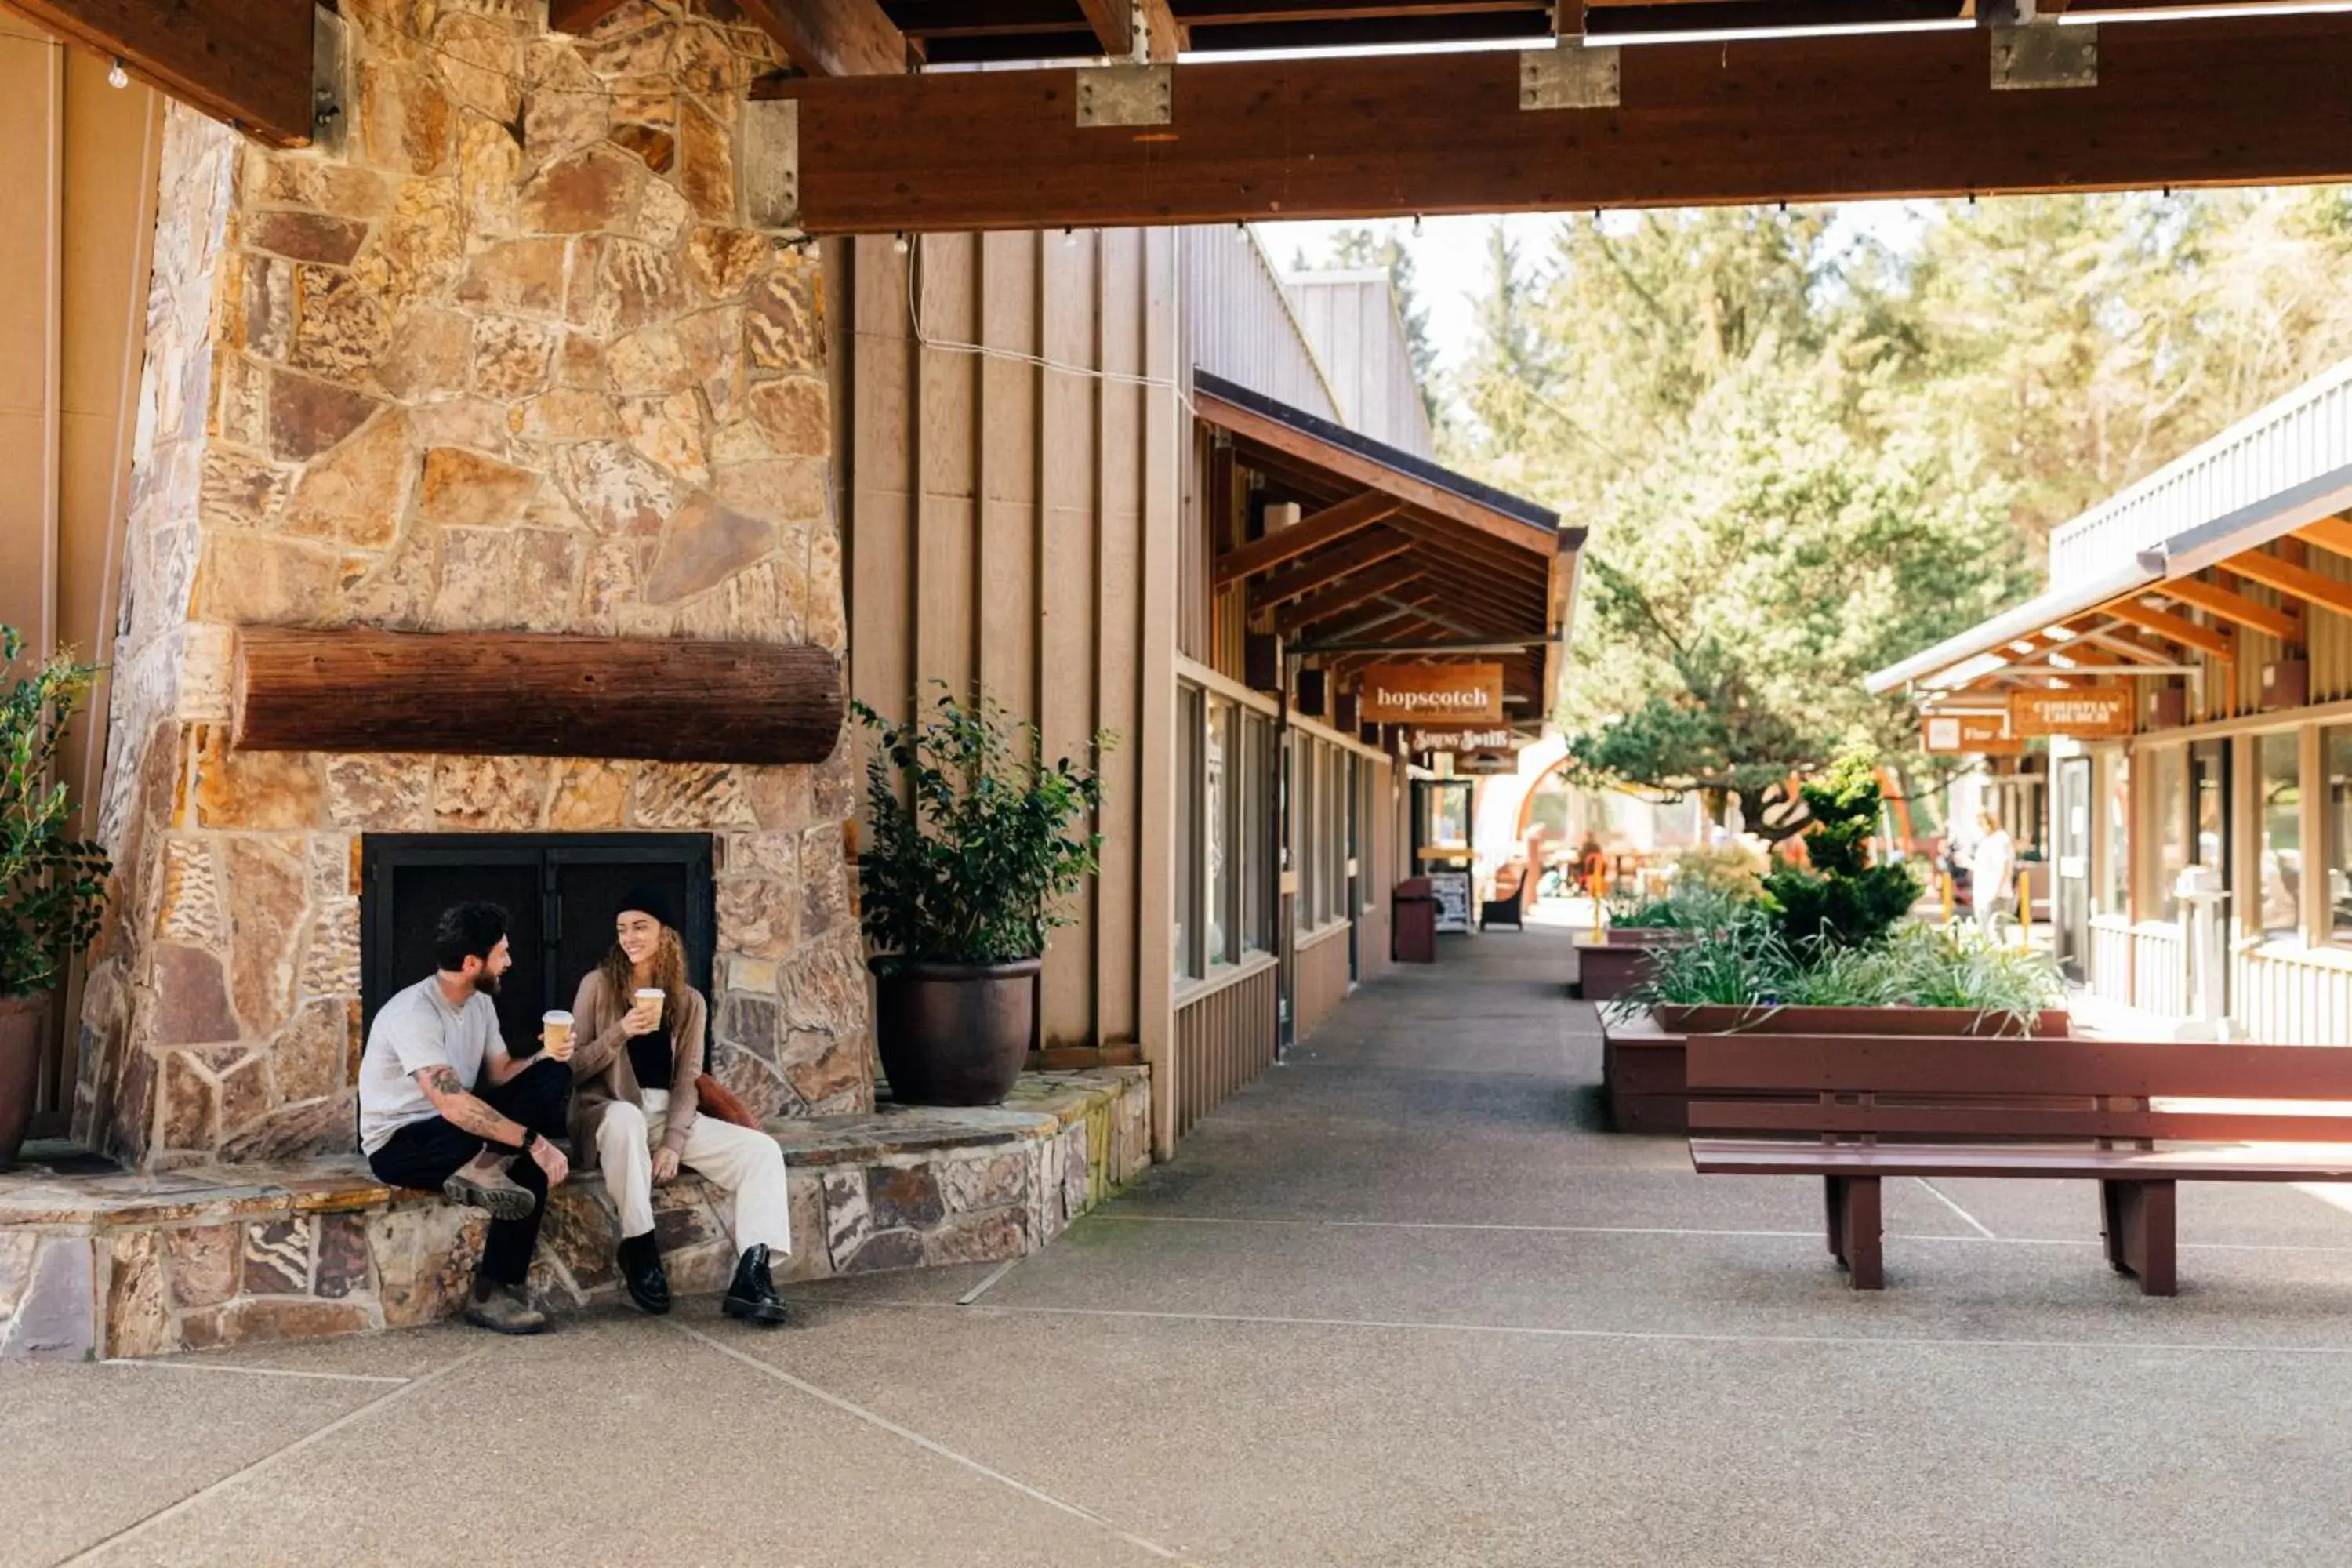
(533, 694)
(2207, 102)
(243, 62)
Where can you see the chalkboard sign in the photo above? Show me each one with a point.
(1452, 891)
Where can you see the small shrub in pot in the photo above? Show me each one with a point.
(52, 886)
(974, 843)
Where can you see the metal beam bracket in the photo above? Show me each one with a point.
(330, 79)
(1127, 95)
(2042, 54)
(770, 166)
(1572, 74)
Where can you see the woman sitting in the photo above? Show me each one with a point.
(640, 1030)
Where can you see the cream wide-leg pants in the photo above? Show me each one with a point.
(742, 1160)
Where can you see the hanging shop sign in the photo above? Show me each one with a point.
(1432, 738)
(2082, 712)
(1441, 693)
(1968, 735)
(1483, 763)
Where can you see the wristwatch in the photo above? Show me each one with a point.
(529, 1137)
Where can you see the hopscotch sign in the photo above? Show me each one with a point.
(1432, 693)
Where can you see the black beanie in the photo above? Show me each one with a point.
(646, 898)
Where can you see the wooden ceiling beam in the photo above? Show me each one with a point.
(1804, 119)
(2235, 607)
(1115, 23)
(2328, 593)
(1305, 537)
(833, 37)
(246, 64)
(2333, 534)
(1361, 588)
(1320, 571)
(2210, 640)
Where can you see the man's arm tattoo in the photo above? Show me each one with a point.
(459, 1108)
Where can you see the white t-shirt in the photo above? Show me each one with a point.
(418, 1029)
(1992, 867)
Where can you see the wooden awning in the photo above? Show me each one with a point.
(1395, 559)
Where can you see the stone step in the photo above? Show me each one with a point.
(145, 1264)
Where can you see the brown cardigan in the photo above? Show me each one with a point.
(600, 1073)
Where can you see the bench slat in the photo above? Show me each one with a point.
(1785, 1157)
(2009, 1120)
(1929, 1065)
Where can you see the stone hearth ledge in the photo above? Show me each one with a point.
(142, 1264)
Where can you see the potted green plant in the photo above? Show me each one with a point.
(974, 841)
(52, 886)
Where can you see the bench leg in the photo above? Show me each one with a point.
(1854, 1228)
(2142, 1233)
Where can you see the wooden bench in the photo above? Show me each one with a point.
(1854, 1109)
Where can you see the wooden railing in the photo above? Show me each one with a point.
(1225, 1038)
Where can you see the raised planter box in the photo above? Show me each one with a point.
(1619, 960)
(1642, 1059)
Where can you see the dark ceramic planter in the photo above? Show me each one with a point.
(24, 1031)
(955, 1034)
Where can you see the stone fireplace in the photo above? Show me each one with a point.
(513, 361)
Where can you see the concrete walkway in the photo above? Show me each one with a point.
(1398, 1303)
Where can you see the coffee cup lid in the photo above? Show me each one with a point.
(555, 1016)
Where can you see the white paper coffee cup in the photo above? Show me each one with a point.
(653, 997)
(555, 1031)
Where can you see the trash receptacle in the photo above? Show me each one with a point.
(1413, 923)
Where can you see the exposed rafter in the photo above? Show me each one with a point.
(247, 63)
(2333, 534)
(1323, 570)
(1115, 21)
(1306, 536)
(2236, 608)
(1363, 588)
(833, 37)
(2328, 592)
(2235, 101)
(2179, 629)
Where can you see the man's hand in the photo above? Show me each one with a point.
(551, 1160)
(642, 1018)
(665, 1165)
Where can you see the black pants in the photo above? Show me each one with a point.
(426, 1153)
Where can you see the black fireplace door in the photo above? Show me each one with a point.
(560, 892)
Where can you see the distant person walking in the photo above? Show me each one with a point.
(1992, 872)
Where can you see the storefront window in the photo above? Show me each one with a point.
(2336, 760)
(1189, 836)
(2280, 758)
(2116, 896)
(2168, 808)
(1255, 853)
(1217, 819)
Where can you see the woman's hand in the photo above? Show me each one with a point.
(642, 1018)
(665, 1165)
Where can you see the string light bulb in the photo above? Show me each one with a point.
(899, 244)
(1070, 238)
(1416, 226)
(1241, 234)
(117, 77)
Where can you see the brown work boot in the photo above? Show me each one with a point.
(482, 1183)
(505, 1309)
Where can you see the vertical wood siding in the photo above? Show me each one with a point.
(1223, 1039)
(1351, 319)
(1012, 524)
(1239, 323)
(1322, 978)
(76, 227)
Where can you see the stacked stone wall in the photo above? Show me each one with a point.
(512, 362)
